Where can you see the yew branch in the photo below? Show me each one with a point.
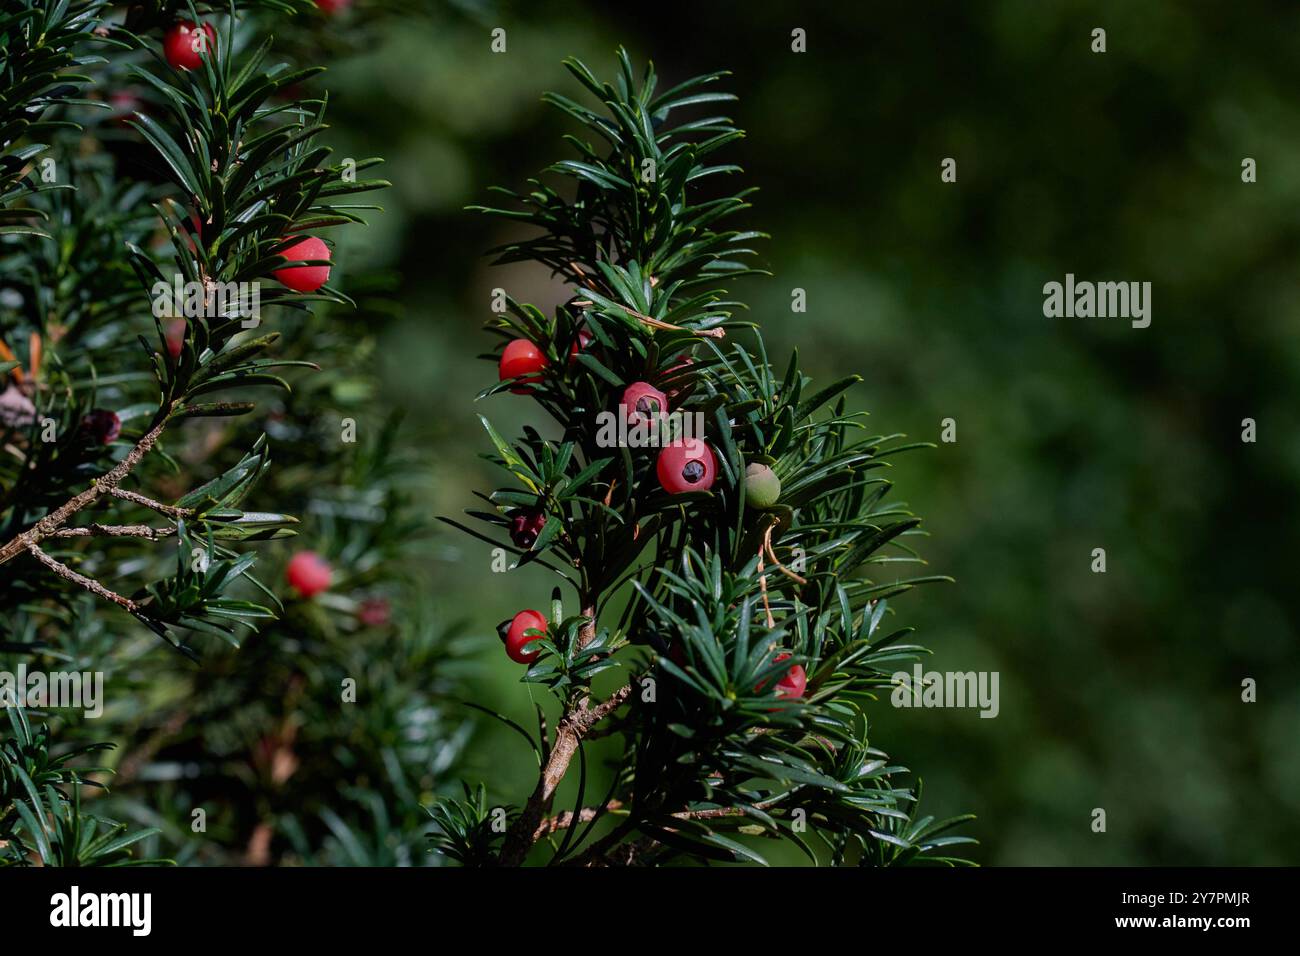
(105, 484)
(170, 511)
(568, 818)
(95, 529)
(569, 732)
(90, 584)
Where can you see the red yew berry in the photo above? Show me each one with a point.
(304, 278)
(102, 426)
(308, 573)
(642, 404)
(123, 104)
(580, 344)
(175, 336)
(181, 41)
(512, 634)
(519, 359)
(333, 6)
(374, 612)
(687, 465)
(792, 683)
(525, 525)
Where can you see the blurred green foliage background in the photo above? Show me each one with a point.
(1119, 690)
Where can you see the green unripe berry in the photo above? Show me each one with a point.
(762, 487)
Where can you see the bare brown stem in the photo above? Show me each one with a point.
(136, 498)
(611, 851)
(569, 732)
(762, 586)
(715, 333)
(95, 529)
(90, 584)
(767, 548)
(588, 631)
(105, 484)
(568, 818)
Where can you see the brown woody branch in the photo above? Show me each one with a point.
(105, 484)
(568, 818)
(652, 322)
(170, 511)
(612, 851)
(569, 732)
(90, 584)
(97, 530)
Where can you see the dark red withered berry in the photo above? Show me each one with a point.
(525, 525)
(677, 654)
(101, 426)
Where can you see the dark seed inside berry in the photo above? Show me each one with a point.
(645, 406)
(693, 471)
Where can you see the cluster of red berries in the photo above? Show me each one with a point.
(184, 47)
(528, 626)
(523, 360)
(685, 465)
